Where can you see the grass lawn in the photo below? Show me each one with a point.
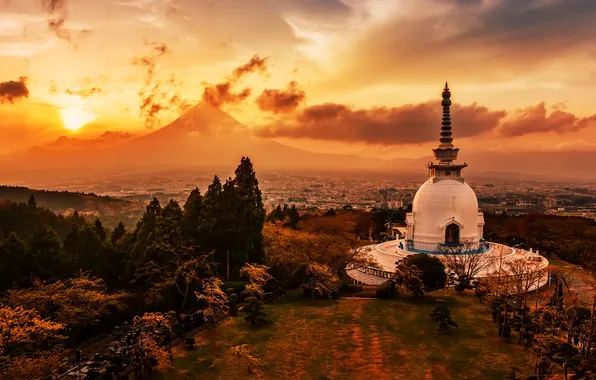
(356, 339)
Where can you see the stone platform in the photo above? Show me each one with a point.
(496, 257)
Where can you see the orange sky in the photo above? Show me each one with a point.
(530, 63)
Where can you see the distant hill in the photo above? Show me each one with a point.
(110, 210)
(208, 138)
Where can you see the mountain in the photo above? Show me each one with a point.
(208, 138)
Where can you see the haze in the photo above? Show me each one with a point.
(82, 80)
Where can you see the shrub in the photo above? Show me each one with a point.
(255, 314)
(233, 301)
(386, 290)
(298, 277)
(237, 286)
(433, 274)
(190, 342)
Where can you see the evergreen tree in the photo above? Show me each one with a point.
(99, 230)
(144, 227)
(192, 213)
(14, 262)
(117, 234)
(251, 212)
(32, 202)
(48, 259)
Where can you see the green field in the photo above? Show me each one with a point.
(356, 339)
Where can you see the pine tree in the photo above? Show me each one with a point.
(32, 202)
(14, 261)
(192, 213)
(117, 234)
(101, 232)
(251, 215)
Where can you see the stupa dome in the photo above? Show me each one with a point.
(439, 204)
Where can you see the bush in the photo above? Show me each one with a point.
(256, 316)
(233, 301)
(190, 342)
(386, 290)
(433, 271)
(237, 286)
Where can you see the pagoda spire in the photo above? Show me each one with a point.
(446, 140)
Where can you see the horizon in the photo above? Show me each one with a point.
(539, 101)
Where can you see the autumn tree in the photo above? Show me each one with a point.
(257, 277)
(76, 302)
(320, 280)
(153, 334)
(213, 298)
(23, 329)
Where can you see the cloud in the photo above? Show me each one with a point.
(12, 91)
(219, 94)
(469, 41)
(255, 64)
(157, 96)
(85, 92)
(408, 124)
(536, 118)
(281, 101)
(57, 12)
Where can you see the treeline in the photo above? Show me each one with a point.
(53, 199)
(226, 221)
(571, 238)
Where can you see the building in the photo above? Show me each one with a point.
(445, 222)
(445, 208)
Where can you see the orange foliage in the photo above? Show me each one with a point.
(21, 328)
(77, 301)
(27, 368)
(286, 248)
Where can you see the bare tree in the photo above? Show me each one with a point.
(464, 261)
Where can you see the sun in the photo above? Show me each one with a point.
(74, 118)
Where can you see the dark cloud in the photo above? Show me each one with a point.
(157, 96)
(281, 100)
(471, 41)
(219, 94)
(409, 124)
(255, 64)
(57, 11)
(12, 91)
(535, 119)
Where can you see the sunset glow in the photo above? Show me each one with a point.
(75, 118)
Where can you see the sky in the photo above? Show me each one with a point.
(343, 76)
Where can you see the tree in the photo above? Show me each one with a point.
(192, 215)
(253, 307)
(118, 233)
(48, 259)
(408, 278)
(432, 270)
(442, 316)
(251, 210)
(15, 261)
(32, 203)
(464, 263)
(25, 329)
(99, 230)
(151, 331)
(320, 280)
(213, 297)
(244, 353)
(257, 277)
(76, 302)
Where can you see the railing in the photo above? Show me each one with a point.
(374, 272)
(442, 248)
